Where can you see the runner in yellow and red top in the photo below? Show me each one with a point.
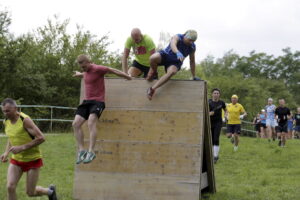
(143, 47)
(235, 112)
(24, 138)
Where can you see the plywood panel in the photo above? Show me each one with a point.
(116, 186)
(147, 149)
(174, 96)
(139, 158)
(162, 127)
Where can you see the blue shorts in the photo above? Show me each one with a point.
(297, 128)
(167, 61)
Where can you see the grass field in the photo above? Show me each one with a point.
(258, 171)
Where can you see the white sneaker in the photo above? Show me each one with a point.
(235, 148)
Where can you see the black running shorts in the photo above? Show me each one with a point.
(90, 106)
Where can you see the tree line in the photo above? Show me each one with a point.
(36, 68)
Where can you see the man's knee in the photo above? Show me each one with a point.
(76, 124)
(92, 121)
(155, 59)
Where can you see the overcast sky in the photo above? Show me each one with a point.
(242, 25)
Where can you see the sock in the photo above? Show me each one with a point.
(216, 150)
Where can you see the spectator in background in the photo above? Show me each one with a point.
(290, 127)
(263, 127)
(256, 123)
(297, 123)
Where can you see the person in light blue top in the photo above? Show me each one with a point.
(271, 121)
(262, 118)
(172, 57)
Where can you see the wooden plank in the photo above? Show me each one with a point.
(174, 96)
(139, 158)
(162, 127)
(116, 186)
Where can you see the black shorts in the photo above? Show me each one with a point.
(167, 62)
(263, 125)
(257, 127)
(234, 128)
(90, 106)
(281, 128)
(144, 69)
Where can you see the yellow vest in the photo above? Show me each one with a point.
(17, 135)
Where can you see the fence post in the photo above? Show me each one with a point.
(51, 119)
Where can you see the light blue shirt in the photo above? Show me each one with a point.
(270, 109)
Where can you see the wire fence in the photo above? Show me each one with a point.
(59, 119)
(48, 118)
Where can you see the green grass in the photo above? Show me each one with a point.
(59, 158)
(258, 171)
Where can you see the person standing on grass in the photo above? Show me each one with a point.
(256, 123)
(282, 113)
(297, 123)
(290, 126)
(143, 47)
(235, 112)
(271, 122)
(215, 112)
(24, 138)
(93, 104)
(172, 57)
(262, 118)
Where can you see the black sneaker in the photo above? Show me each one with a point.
(216, 159)
(53, 195)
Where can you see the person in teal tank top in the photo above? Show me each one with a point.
(24, 138)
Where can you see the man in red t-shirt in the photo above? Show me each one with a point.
(92, 105)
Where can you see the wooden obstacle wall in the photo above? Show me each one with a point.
(149, 150)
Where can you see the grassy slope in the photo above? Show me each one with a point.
(258, 171)
(59, 157)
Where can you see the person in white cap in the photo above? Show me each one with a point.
(234, 113)
(172, 57)
(271, 122)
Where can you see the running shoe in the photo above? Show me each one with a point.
(216, 159)
(81, 156)
(89, 157)
(53, 195)
(235, 148)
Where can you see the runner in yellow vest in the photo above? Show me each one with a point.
(235, 112)
(24, 138)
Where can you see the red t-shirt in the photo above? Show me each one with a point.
(94, 83)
